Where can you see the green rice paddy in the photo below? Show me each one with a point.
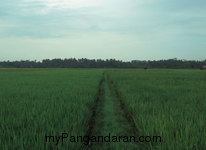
(127, 102)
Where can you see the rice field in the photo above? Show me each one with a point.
(91, 102)
(38, 103)
(170, 103)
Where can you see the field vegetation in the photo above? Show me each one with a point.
(47, 102)
(92, 102)
(170, 103)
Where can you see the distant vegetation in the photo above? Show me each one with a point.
(108, 63)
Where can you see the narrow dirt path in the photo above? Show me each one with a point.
(95, 112)
(111, 117)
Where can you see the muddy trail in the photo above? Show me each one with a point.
(110, 117)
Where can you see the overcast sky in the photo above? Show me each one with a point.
(120, 29)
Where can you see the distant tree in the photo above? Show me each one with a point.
(99, 63)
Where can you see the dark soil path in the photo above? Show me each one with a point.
(110, 117)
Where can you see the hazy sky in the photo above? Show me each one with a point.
(121, 29)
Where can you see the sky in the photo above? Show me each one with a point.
(102, 29)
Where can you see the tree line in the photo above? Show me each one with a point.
(108, 63)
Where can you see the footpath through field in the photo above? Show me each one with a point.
(111, 118)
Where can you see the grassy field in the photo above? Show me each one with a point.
(38, 103)
(92, 102)
(170, 103)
